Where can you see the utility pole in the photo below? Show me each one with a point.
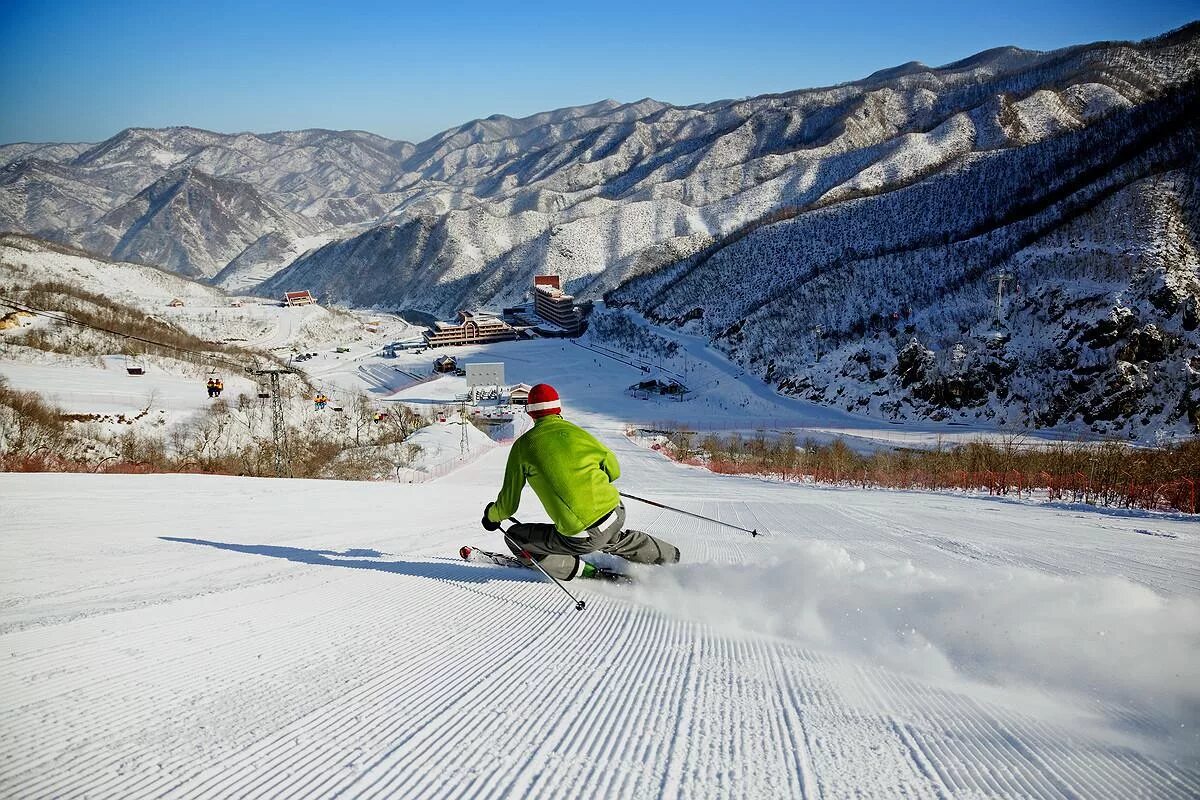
(462, 442)
(278, 426)
(1000, 278)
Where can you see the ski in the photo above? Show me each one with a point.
(479, 556)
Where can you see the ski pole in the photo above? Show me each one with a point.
(689, 513)
(579, 604)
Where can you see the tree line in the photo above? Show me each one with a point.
(1112, 474)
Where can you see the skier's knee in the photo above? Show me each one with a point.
(667, 554)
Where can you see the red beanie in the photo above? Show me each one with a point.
(543, 400)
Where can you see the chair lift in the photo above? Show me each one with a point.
(264, 391)
(134, 365)
(330, 401)
(212, 376)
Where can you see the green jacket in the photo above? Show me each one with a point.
(570, 471)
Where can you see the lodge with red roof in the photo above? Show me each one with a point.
(303, 298)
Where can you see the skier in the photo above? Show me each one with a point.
(218, 387)
(572, 474)
(212, 387)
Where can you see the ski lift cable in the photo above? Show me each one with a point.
(54, 316)
(330, 390)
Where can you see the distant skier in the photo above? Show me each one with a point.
(572, 474)
(212, 387)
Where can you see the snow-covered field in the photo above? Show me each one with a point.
(170, 391)
(191, 636)
(205, 312)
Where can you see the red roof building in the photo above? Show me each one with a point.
(303, 298)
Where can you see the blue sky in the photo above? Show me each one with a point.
(81, 71)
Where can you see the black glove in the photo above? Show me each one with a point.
(488, 525)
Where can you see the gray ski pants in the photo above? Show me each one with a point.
(559, 555)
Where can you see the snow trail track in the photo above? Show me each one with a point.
(190, 636)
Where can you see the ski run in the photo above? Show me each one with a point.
(197, 636)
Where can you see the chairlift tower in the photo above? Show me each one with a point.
(1000, 278)
(462, 418)
(278, 427)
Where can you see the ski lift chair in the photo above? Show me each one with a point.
(134, 365)
(211, 376)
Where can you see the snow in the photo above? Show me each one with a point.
(133, 284)
(172, 391)
(723, 396)
(199, 636)
(442, 448)
(316, 638)
(837, 207)
(82, 389)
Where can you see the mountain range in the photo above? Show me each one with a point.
(1010, 238)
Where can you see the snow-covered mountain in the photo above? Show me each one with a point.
(191, 223)
(199, 202)
(888, 303)
(47, 198)
(621, 190)
(878, 210)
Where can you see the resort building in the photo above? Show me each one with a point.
(303, 298)
(471, 328)
(519, 394)
(554, 305)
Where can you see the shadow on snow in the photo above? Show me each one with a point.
(359, 558)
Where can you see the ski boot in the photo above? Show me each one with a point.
(602, 574)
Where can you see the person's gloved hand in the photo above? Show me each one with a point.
(487, 523)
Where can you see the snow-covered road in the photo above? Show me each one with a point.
(192, 636)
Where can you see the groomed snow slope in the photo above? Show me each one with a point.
(193, 636)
